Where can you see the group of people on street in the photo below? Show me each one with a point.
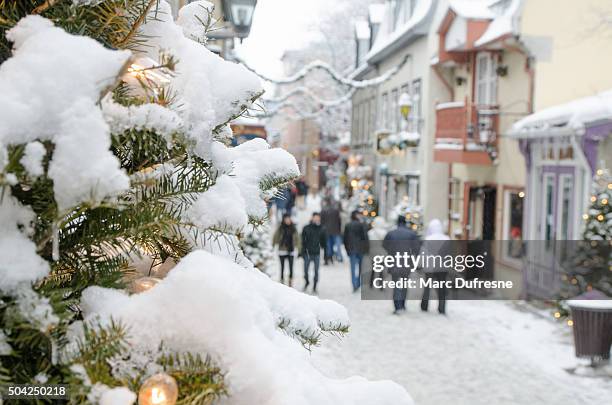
(324, 232)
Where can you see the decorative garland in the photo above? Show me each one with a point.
(320, 65)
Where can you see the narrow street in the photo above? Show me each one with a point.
(482, 352)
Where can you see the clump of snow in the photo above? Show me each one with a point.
(149, 116)
(32, 158)
(194, 18)
(41, 378)
(209, 89)
(20, 263)
(47, 64)
(237, 312)
(503, 24)
(117, 396)
(251, 163)
(362, 30)
(5, 348)
(83, 168)
(591, 304)
(221, 206)
(87, 2)
(35, 308)
(472, 9)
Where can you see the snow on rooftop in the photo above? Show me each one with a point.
(507, 23)
(575, 114)
(472, 9)
(362, 29)
(388, 36)
(376, 13)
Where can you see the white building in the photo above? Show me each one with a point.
(400, 149)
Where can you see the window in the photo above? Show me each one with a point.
(416, 105)
(366, 121)
(548, 206)
(413, 190)
(513, 223)
(400, 119)
(362, 117)
(486, 79)
(565, 206)
(383, 111)
(394, 110)
(355, 124)
(372, 117)
(455, 198)
(402, 11)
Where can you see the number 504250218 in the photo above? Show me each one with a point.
(32, 391)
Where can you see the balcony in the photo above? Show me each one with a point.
(466, 133)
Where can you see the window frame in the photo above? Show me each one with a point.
(485, 80)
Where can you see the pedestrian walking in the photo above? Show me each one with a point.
(287, 239)
(376, 235)
(331, 221)
(435, 245)
(356, 245)
(313, 239)
(399, 234)
(302, 192)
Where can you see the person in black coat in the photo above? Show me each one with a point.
(330, 219)
(313, 239)
(356, 245)
(287, 239)
(393, 246)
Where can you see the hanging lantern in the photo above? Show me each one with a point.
(143, 284)
(159, 389)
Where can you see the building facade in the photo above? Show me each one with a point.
(398, 148)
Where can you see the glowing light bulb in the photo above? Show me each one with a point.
(521, 194)
(143, 284)
(570, 322)
(585, 217)
(600, 217)
(159, 389)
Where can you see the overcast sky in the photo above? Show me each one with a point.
(279, 25)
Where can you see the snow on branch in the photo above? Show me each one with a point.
(232, 314)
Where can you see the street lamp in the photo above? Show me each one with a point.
(241, 15)
(405, 104)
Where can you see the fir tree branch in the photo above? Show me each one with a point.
(136, 25)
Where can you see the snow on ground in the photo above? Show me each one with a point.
(482, 352)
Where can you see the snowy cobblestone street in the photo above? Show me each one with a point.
(482, 352)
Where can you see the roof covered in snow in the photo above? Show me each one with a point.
(472, 9)
(391, 38)
(362, 29)
(376, 13)
(504, 23)
(573, 116)
(504, 17)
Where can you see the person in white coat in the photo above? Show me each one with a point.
(376, 235)
(435, 232)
